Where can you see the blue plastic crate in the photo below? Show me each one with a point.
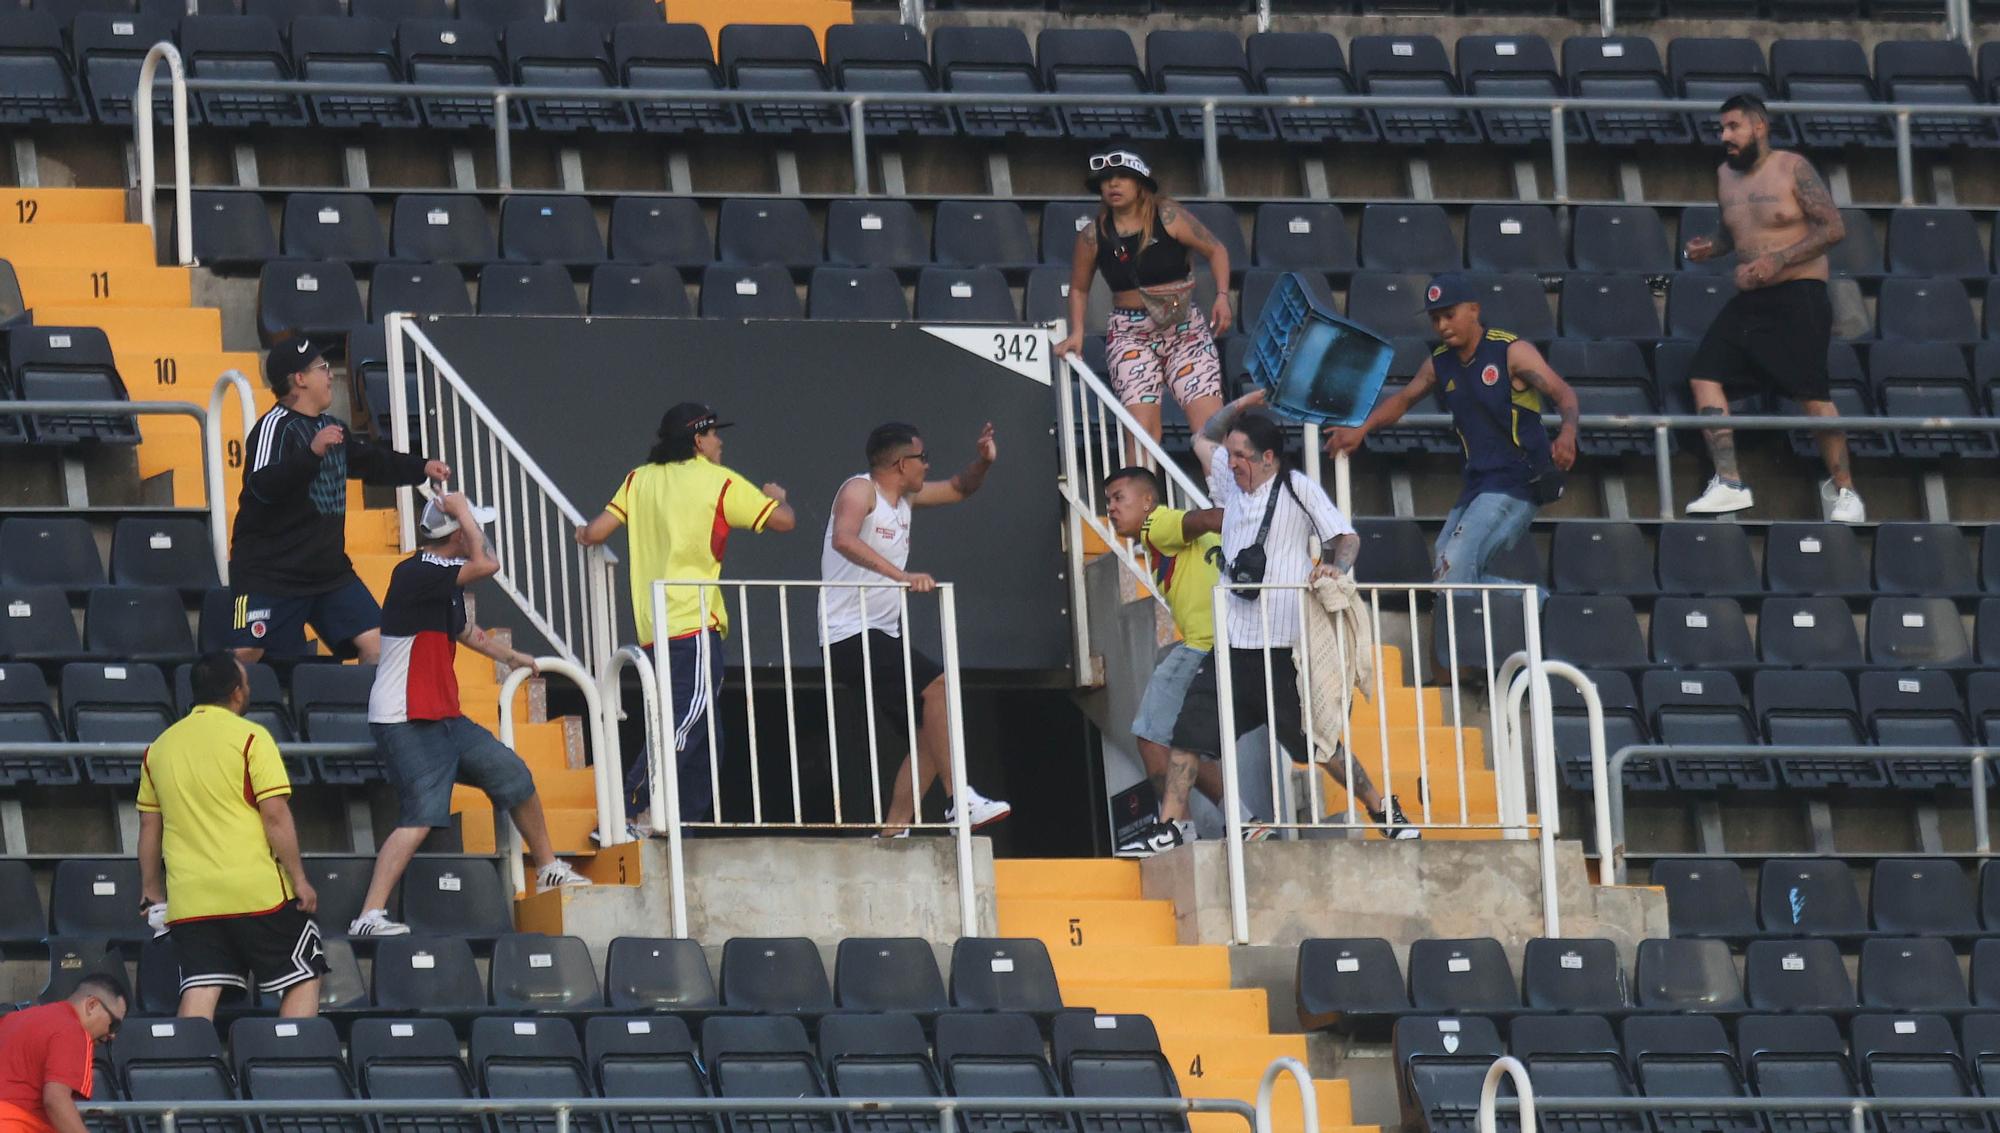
(1317, 366)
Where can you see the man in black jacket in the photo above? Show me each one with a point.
(288, 563)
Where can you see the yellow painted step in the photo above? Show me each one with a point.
(1104, 878)
(569, 829)
(171, 446)
(54, 285)
(371, 532)
(1200, 1054)
(1334, 1102)
(1221, 1011)
(1068, 924)
(190, 376)
(29, 208)
(89, 245)
(1178, 965)
(139, 329)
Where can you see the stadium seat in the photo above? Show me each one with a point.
(1599, 632)
(1620, 238)
(330, 705)
(27, 717)
(95, 899)
(1622, 66)
(765, 1056)
(1441, 1063)
(1915, 1057)
(1686, 975)
(887, 974)
(1392, 550)
(341, 227)
(1941, 71)
(1307, 63)
(1514, 66)
(1205, 62)
(110, 49)
(982, 234)
(55, 551)
(342, 884)
(1461, 975)
(748, 293)
(240, 47)
(1704, 707)
(1062, 221)
(313, 297)
(673, 57)
(664, 231)
(1711, 559)
(1917, 632)
(879, 1056)
(1606, 557)
(1571, 975)
(157, 552)
(997, 1054)
(1815, 559)
(232, 230)
(1479, 637)
(532, 972)
(1687, 1056)
(1342, 982)
(358, 49)
(72, 960)
(1577, 1056)
(860, 293)
(176, 1060)
(293, 1060)
(1608, 306)
(453, 896)
(549, 230)
(1512, 237)
(1812, 709)
(122, 703)
(638, 290)
(432, 974)
(408, 1059)
(140, 623)
(774, 974)
(1115, 1056)
(1986, 973)
(1391, 305)
(1412, 65)
(997, 61)
(1710, 70)
(887, 59)
(1829, 70)
(1809, 898)
(766, 232)
(1624, 726)
(1926, 559)
(441, 228)
(654, 973)
(455, 53)
(527, 289)
(570, 55)
(400, 9)
(1925, 309)
(1516, 302)
(1413, 238)
(652, 1057)
(1609, 377)
(1930, 379)
(37, 85)
(1911, 974)
(57, 363)
(875, 234)
(965, 295)
(1694, 299)
(1097, 62)
(529, 1059)
(266, 708)
(418, 289)
(1982, 699)
(1705, 898)
(38, 626)
(1796, 975)
(1917, 709)
(779, 58)
(21, 918)
(1003, 974)
(1935, 242)
(1701, 633)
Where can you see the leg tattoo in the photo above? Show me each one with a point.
(1721, 446)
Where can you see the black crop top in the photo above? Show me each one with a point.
(1126, 268)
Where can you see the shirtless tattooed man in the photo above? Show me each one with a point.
(1779, 220)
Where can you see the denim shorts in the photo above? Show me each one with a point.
(1161, 705)
(425, 757)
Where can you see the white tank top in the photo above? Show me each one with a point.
(886, 531)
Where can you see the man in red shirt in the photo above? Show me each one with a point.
(45, 1056)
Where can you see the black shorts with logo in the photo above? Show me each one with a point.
(279, 949)
(1773, 338)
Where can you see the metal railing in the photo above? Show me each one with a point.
(610, 791)
(1515, 677)
(664, 775)
(565, 590)
(506, 838)
(1611, 839)
(501, 96)
(1529, 1106)
(209, 421)
(1454, 770)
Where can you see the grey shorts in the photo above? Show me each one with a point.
(425, 757)
(1161, 705)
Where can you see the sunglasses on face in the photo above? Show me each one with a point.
(925, 457)
(117, 1020)
(1118, 159)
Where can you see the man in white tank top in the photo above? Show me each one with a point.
(868, 540)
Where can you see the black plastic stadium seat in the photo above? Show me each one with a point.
(1706, 898)
(887, 974)
(1930, 379)
(433, 974)
(176, 1060)
(1307, 63)
(1115, 1056)
(1414, 238)
(1573, 1056)
(652, 973)
(441, 228)
(527, 289)
(1343, 982)
(293, 1060)
(38, 625)
(763, 232)
(1467, 975)
(1912, 709)
(1620, 238)
(734, 292)
(1688, 1056)
(124, 703)
(330, 705)
(887, 59)
(662, 231)
(875, 234)
(774, 974)
(1704, 707)
(312, 297)
(638, 290)
(673, 57)
(1706, 558)
(879, 1055)
(1809, 898)
(779, 58)
(1799, 708)
(455, 53)
(160, 552)
(1441, 1063)
(94, 899)
(996, 61)
(1512, 237)
(982, 234)
(1190, 62)
(27, 716)
(1572, 975)
(1928, 559)
(357, 49)
(1701, 633)
(232, 230)
(1609, 376)
(1608, 306)
(37, 85)
(532, 972)
(965, 295)
(1796, 975)
(1601, 557)
(549, 230)
(332, 226)
(1815, 559)
(49, 551)
(410, 1058)
(1623, 66)
(1829, 70)
(1600, 632)
(866, 294)
(572, 55)
(1624, 726)
(651, 1057)
(1686, 975)
(110, 49)
(998, 1054)
(68, 364)
(1413, 65)
(1938, 72)
(142, 623)
(1694, 299)
(456, 897)
(766, 1057)
(1920, 632)
(1514, 66)
(1917, 1056)
(1710, 71)
(240, 47)
(1935, 242)
(1392, 550)
(1911, 974)
(530, 1059)
(1097, 62)
(1486, 630)
(420, 289)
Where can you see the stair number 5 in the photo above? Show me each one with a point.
(1076, 932)
(1194, 1068)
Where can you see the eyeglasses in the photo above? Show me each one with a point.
(117, 1020)
(1117, 159)
(923, 456)
(322, 364)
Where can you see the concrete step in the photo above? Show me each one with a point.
(138, 330)
(1198, 1054)
(36, 208)
(91, 245)
(1170, 965)
(1079, 923)
(1211, 1011)
(90, 285)
(1066, 877)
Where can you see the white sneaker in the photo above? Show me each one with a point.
(1157, 839)
(557, 875)
(1259, 832)
(1722, 498)
(376, 922)
(985, 812)
(1845, 504)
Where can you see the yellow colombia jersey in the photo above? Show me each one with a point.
(1187, 574)
(678, 517)
(205, 776)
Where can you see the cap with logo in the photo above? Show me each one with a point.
(688, 419)
(295, 355)
(1449, 290)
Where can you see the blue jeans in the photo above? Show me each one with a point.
(425, 757)
(1477, 530)
(694, 666)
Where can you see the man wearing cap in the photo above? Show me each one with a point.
(1496, 387)
(427, 743)
(288, 563)
(682, 504)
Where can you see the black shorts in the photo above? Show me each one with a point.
(276, 623)
(279, 948)
(885, 663)
(1772, 338)
(1199, 727)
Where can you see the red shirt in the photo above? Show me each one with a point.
(38, 1046)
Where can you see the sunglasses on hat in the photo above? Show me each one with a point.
(1118, 159)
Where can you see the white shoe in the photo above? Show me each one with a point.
(376, 922)
(985, 812)
(1259, 832)
(1722, 498)
(1157, 839)
(1844, 504)
(558, 875)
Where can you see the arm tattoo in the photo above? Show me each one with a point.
(1218, 426)
(1537, 377)
(1341, 551)
(1088, 234)
(1824, 226)
(1196, 229)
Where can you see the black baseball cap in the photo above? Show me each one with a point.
(1449, 290)
(293, 355)
(690, 418)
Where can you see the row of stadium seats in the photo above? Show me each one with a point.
(88, 77)
(1441, 1063)
(539, 1057)
(1902, 633)
(233, 231)
(1356, 985)
(145, 551)
(603, 12)
(1706, 897)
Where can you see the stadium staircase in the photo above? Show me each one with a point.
(80, 262)
(1115, 951)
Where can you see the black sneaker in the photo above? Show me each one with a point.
(1157, 839)
(1398, 828)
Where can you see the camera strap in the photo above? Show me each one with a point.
(1279, 484)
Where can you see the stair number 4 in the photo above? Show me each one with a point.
(1194, 1068)
(1076, 932)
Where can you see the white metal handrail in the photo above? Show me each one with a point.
(1292, 1068)
(142, 126)
(507, 839)
(610, 790)
(1509, 1068)
(1515, 677)
(665, 777)
(565, 590)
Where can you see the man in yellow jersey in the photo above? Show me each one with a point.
(212, 802)
(682, 504)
